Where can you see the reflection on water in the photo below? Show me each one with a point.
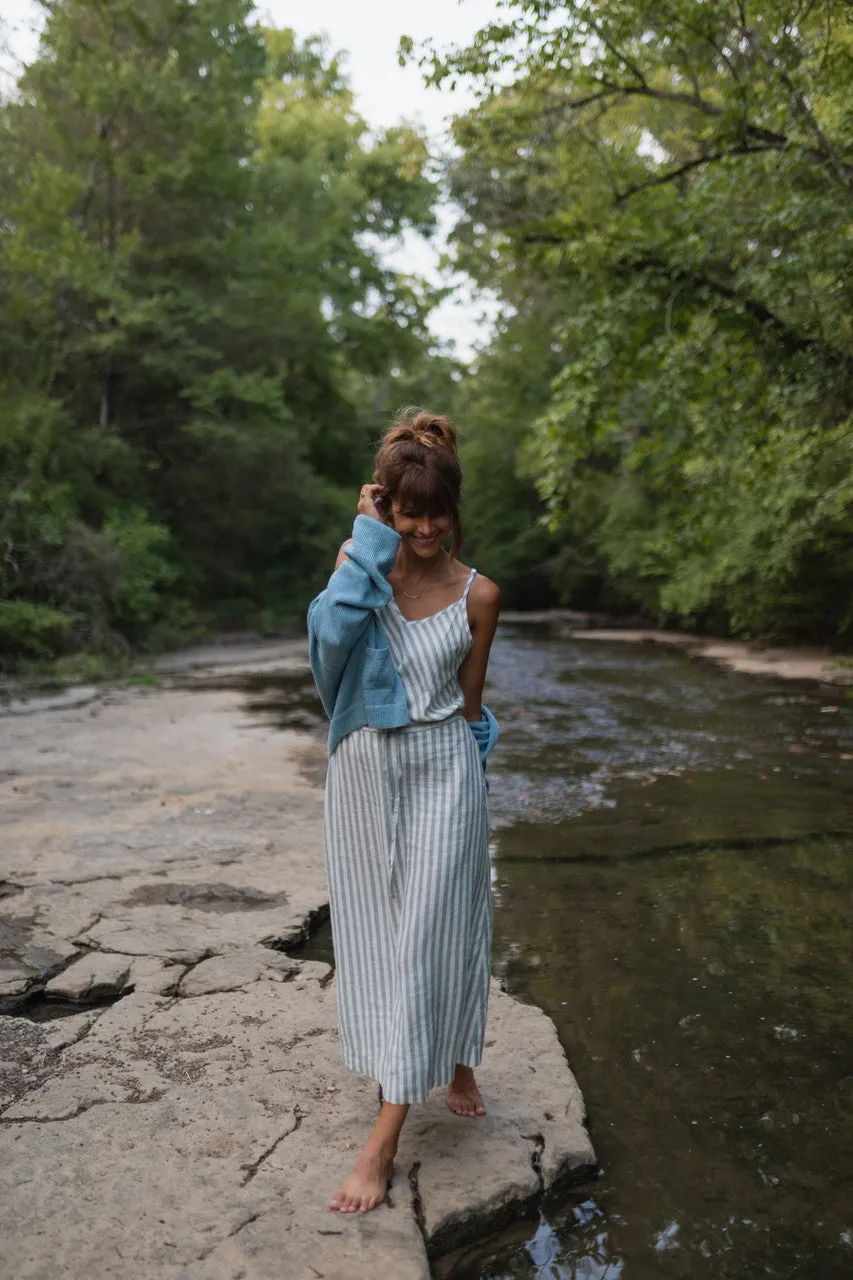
(674, 867)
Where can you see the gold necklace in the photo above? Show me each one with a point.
(410, 596)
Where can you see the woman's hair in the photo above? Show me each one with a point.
(419, 468)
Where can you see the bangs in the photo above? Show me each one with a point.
(424, 492)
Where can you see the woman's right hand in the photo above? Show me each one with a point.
(370, 494)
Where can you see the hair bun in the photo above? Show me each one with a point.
(422, 427)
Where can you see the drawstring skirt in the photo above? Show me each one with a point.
(407, 859)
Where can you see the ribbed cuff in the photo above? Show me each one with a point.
(377, 540)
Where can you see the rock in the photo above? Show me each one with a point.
(473, 1174)
(235, 969)
(311, 971)
(63, 1032)
(96, 974)
(11, 989)
(198, 1138)
(196, 1127)
(172, 939)
(155, 975)
(228, 1120)
(76, 696)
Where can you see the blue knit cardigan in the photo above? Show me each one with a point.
(352, 665)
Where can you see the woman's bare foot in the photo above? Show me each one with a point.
(365, 1188)
(463, 1096)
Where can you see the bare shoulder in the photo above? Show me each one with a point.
(485, 595)
(342, 553)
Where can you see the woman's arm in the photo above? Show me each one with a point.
(484, 602)
(338, 615)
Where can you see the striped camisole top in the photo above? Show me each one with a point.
(428, 653)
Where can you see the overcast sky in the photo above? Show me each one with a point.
(368, 31)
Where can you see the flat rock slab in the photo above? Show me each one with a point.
(96, 974)
(162, 847)
(236, 968)
(204, 1136)
(474, 1174)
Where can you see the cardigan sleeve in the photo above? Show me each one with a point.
(338, 616)
(486, 732)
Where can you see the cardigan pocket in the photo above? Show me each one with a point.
(379, 678)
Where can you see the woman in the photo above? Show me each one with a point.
(400, 640)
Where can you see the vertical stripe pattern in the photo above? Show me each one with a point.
(428, 653)
(406, 827)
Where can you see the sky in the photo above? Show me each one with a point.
(368, 31)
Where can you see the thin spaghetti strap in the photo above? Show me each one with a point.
(468, 584)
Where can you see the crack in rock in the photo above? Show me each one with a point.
(208, 955)
(154, 1096)
(253, 1217)
(11, 1005)
(299, 934)
(99, 915)
(252, 1169)
(160, 1008)
(538, 1141)
(287, 1045)
(417, 1202)
(191, 863)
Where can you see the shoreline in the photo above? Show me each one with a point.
(165, 854)
(790, 662)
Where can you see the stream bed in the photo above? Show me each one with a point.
(673, 874)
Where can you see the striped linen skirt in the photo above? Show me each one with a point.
(407, 859)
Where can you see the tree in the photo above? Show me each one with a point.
(674, 180)
(191, 231)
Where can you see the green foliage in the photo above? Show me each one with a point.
(508, 388)
(31, 630)
(667, 188)
(192, 301)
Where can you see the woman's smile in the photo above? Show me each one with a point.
(425, 542)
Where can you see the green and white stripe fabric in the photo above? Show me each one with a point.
(406, 828)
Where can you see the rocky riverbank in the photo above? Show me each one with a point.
(791, 662)
(189, 1117)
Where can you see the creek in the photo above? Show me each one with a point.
(673, 854)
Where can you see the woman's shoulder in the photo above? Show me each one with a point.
(342, 553)
(484, 592)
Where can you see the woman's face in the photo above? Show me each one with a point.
(422, 532)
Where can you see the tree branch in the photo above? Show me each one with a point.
(843, 172)
(791, 338)
(618, 55)
(769, 137)
(696, 163)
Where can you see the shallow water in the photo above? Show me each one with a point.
(673, 854)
